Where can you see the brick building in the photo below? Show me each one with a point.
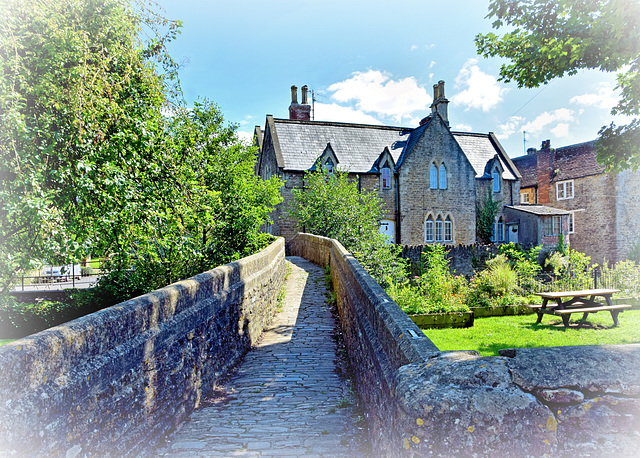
(602, 208)
(429, 178)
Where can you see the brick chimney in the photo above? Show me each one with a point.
(440, 102)
(299, 111)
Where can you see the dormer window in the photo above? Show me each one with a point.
(496, 180)
(328, 166)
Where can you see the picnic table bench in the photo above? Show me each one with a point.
(582, 301)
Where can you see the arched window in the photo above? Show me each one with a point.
(433, 177)
(500, 230)
(439, 229)
(448, 230)
(386, 176)
(496, 180)
(443, 177)
(328, 166)
(428, 229)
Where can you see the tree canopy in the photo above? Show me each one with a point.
(552, 38)
(98, 153)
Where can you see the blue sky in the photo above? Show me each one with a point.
(374, 62)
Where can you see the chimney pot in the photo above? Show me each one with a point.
(304, 94)
(531, 151)
(294, 94)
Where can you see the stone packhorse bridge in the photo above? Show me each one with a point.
(108, 383)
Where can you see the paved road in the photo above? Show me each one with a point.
(287, 397)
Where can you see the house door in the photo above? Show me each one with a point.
(512, 233)
(387, 228)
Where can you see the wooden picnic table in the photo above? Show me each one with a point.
(582, 301)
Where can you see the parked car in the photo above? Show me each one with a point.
(60, 273)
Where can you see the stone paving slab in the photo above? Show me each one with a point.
(286, 398)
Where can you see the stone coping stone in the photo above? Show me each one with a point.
(588, 368)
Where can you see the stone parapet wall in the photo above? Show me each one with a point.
(103, 384)
(563, 401)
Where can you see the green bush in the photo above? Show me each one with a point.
(19, 320)
(497, 285)
(436, 290)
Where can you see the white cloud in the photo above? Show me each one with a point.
(338, 113)
(433, 62)
(482, 90)
(510, 127)
(414, 47)
(375, 92)
(561, 130)
(541, 123)
(245, 136)
(605, 98)
(462, 127)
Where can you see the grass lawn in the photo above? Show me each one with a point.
(5, 341)
(488, 335)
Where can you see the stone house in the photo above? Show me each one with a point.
(429, 178)
(602, 207)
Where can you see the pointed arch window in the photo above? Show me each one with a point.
(433, 177)
(439, 229)
(429, 229)
(448, 230)
(443, 177)
(386, 176)
(496, 180)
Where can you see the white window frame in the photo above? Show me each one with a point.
(433, 176)
(496, 180)
(524, 198)
(448, 230)
(442, 179)
(385, 178)
(439, 230)
(572, 222)
(500, 230)
(565, 190)
(428, 230)
(556, 225)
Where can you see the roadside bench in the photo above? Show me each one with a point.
(583, 301)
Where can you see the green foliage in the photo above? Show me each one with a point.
(549, 39)
(332, 206)
(497, 285)
(634, 253)
(624, 275)
(99, 156)
(486, 216)
(435, 290)
(19, 320)
(572, 270)
(525, 263)
(80, 95)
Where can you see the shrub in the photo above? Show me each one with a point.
(497, 285)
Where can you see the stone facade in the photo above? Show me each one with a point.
(429, 178)
(102, 385)
(603, 206)
(563, 401)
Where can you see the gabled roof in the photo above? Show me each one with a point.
(480, 149)
(301, 143)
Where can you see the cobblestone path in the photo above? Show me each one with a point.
(286, 398)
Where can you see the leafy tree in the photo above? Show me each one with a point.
(332, 206)
(98, 153)
(551, 38)
(80, 95)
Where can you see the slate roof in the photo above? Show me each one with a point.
(480, 149)
(576, 161)
(357, 146)
(571, 162)
(528, 167)
(540, 210)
